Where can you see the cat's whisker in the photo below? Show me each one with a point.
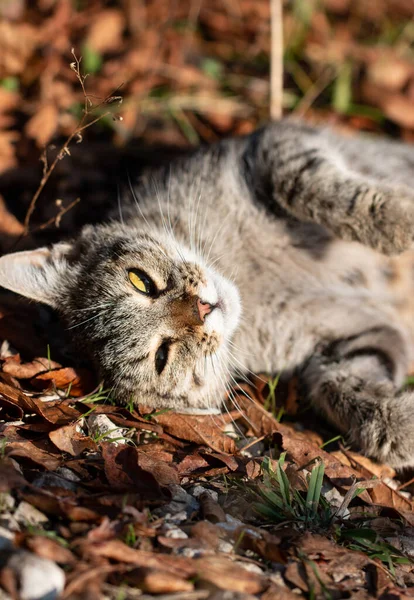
(164, 222)
(96, 307)
(242, 367)
(190, 215)
(121, 217)
(167, 225)
(137, 203)
(227, 389)
(170, 225)
(219, 230)
(202, 229)
(86, 320)
(237, 405)
(197, 232)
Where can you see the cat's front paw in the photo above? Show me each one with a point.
(392, 215)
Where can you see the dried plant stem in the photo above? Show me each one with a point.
(64, 149)
(57, 218)
(276, 59)
(81, 126)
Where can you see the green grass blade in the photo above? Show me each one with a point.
(314, 489)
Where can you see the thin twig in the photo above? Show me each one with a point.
(47, 174)
(57, 218)
(81, 126)
(276, 59)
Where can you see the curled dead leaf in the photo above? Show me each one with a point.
(105, 33)
(79, 382)
(198, 429)
(42, 126)
(226, 575)
(50, 549)
(68, 439)
(27, 370)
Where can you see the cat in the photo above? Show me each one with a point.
(268, 252)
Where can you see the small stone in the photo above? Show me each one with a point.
(68, 474)
(26, 514)
(191, 552)
(197, 490)
(7, 502)
(38, 578)
(225, 547)
(251, 567)
(174, 532)
(181, 506)
(101, 427)
(334, 497)
(48, 480)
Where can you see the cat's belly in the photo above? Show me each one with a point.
(274, 337)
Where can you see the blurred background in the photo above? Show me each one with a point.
(165, 75)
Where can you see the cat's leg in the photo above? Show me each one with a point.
(310, 178)
(353, 384)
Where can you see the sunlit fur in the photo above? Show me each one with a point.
(273, 230)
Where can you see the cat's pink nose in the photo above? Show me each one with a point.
(204, 308)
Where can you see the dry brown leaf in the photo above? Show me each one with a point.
(227, 575)
(57, 413)
(253, 469)
(34, 453)
(400, 109)
(278, 592)
(127, 466)
(155, 581)
(17, 43)
(198, 429)
(50, 549)
(366, 466)
(10, 478)
(80, 381)
(59, 502)
(191, 463)
(118, 551)
(381, 493)
(42, 126)
(390, 72)
(27, 370)
(105, 33)
(69, 440)
(207, 534)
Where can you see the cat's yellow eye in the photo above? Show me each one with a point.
(141, 282)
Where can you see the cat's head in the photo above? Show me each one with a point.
(155, 320)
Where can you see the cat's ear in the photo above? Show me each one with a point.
(36, 274)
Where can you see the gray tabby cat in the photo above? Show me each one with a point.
(263, 253)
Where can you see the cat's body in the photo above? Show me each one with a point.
(268, 212)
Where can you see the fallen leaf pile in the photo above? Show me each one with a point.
(102, 498)
(99, 501)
